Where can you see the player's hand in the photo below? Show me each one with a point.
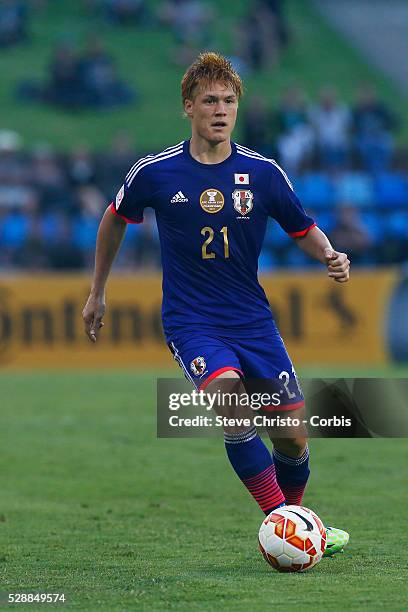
(92, 315)
(338, 265)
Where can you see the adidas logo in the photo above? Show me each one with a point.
(179, 197)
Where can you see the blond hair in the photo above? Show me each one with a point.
(210, 67)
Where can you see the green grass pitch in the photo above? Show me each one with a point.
(93, 505)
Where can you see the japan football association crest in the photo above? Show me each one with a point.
(197, 366)
(243, 201)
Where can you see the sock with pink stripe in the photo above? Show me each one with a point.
(292, 474)
(253, 464)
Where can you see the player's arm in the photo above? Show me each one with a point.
(128, 207)
(110, 235)
(316, 244)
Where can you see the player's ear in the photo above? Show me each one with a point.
(188, 108)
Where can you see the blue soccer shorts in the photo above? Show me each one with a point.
(204, 357)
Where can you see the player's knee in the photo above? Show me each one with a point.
(228, 381)
(233, 374)
(229, 387)
(293, 447)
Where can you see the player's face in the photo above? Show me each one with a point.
(213, 112)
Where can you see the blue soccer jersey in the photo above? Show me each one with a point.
(212, 220)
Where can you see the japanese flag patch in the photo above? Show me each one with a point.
(241, 179)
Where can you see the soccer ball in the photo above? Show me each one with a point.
(292, 539)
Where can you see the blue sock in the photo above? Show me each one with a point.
(253, 464)
(292, 474)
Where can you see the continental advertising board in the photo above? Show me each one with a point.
(321, 322)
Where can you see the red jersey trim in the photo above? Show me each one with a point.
(302, 232)
(115, 212)
(283, 407)
(217, 373)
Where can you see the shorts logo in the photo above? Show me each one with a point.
(119, 196)
(212, 201)
(243, 201)
(198, 365)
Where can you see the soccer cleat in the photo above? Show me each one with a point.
(337, 539)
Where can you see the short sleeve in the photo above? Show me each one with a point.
(134, 195)
(286, 208)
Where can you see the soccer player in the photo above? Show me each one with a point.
(212, 199)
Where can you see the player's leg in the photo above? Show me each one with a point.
(266, 360)
(212, 366)
(291, 459)
(247, 453)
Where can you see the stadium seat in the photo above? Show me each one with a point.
(275, 236)
(396, 224)
(355, 188)
(85, 230)
(266, 262)
(49, 227)
(374, 224)
(325, 220)
(391, 189)
(297, 258)
(315, 190)
(14, 230)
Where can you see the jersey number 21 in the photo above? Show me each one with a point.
(209, 233)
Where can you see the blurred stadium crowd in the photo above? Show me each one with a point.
(342, 158)
(87, 78)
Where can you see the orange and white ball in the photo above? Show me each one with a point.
(292, 539)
